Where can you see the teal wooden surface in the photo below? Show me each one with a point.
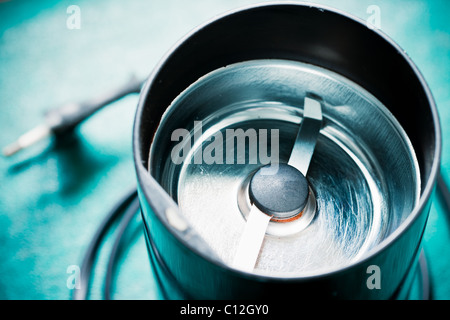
(53, 196)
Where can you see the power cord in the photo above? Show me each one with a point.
(91, 253)
(125, 221)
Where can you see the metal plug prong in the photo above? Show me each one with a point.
(27, 139)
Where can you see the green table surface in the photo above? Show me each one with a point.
(54, 196)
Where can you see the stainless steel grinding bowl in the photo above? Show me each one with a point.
(370, 177)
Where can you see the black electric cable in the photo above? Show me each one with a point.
(59, 121)
(91, 253)
(128, 216)
(168, 276)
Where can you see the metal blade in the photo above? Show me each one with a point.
(251, 240)
(305, 142)
(302, 152)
